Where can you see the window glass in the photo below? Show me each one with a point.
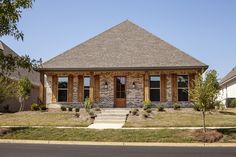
(62, 89)
(86, 86)
(154, 88)
(120, 87)
(182, 87)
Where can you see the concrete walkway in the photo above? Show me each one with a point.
(110, 119)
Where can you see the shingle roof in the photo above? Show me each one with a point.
(123, 46)
(229, 76)
(19, 73)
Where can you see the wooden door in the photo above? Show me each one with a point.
(120, 91)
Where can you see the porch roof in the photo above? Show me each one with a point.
(124, 46)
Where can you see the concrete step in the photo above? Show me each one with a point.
(110, 117)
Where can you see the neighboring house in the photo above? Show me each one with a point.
(228, 87)
(33, 76)
(121, 67)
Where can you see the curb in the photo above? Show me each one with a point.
(117, 143)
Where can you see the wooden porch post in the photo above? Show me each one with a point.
(146, 86)
(91, 89)
(41, 89)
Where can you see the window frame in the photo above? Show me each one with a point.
(183, 88)
(87, 88)
(154, 87)
(62, 89)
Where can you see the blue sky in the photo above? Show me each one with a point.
(205, 29)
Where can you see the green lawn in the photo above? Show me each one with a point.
(41, 118)
(163, 135)
(183, 118)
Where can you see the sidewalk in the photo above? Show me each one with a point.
(146, 128)
(90, 143)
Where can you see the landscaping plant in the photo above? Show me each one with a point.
(147, 104)
(176, 106)
(87, 104)
(70, 108)
(63, 108)
(35, 107)
(205, 92)
(77, 109)
(160, 108)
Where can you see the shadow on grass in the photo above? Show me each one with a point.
(227, 131)
(227, 113)
(4, 131)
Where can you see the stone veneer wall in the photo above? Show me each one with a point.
(48, 88)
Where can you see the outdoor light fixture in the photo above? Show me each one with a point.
(106, 85)
(133, 85)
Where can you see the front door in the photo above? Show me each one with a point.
(120, 94)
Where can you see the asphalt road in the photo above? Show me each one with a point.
(36, 150)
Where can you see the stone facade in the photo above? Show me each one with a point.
(48, 88)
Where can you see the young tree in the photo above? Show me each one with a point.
(23, 89)
(205, 92)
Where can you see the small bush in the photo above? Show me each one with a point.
(232, 103)
(77, 114)
(43, 108)
(87, 104)
(147, 105)
(77, 109)
(145, 115)
(208, 136)
(134, 111)
(92, 114)
(97, 109)
(196, 107)
(35, 107)
(160, 108)
(63, 108)
(70, 108)
(176, 107)
(148, 110)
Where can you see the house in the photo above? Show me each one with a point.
(228, 87)
(121, 67)
(13, 104)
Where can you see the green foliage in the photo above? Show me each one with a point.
(70, 108)
(147, 104)
(63, 108)
(149, 110)
(35, 107)
(7, 88)
(87, 104)
(205, 92)
(77, 109)
(11, 11)
(232, 103)
(176, 106)
(23, 89)
(43, 107)
(160, 108)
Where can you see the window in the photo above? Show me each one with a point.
(182, 87)
(120, 87)
(86, 86)
(62, 89)
(155, 88)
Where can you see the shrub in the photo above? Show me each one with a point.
(87, 104)
(176, 107)
(208, 136)
(148, 110)
(145, 115)
(6, 108)
(92, 114)
(43, 108)
(134, 111)
(232, 103)
(63, 108)
(147, 104)
(160, 108)
(35, 107)
(77, 114)
(77, 109)
(70, 108)
(196, 108)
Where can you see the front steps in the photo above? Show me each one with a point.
(111, 118)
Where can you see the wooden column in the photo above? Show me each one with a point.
(70, 88)
(80, 88)
(41, 89)
(190, 84)
(174, 87)
(163, 87)
(54, 88)
(146, 87)
(91, 89)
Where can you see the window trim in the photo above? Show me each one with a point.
(154, 87)
(62, 88)
(182, 87)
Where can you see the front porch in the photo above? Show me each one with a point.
(108, 89)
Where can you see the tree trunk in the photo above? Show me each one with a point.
(21, 103)
(204, 120)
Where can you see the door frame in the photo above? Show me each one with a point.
(115, 91)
